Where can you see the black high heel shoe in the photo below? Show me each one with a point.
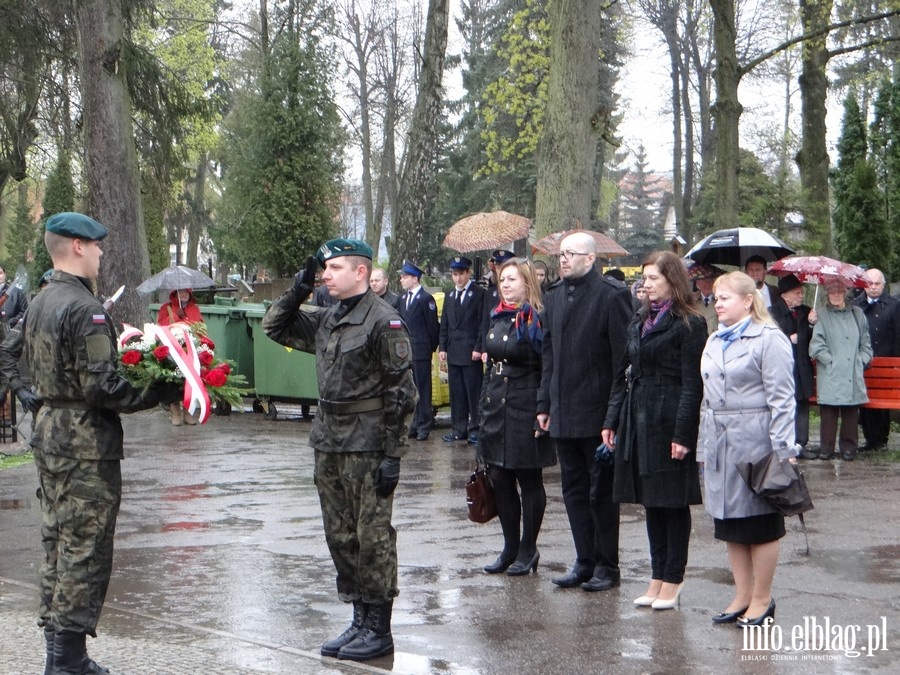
(501, 564)
(520, 569)
(759, 620)
(728, 617)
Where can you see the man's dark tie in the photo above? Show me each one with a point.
(460, 295)
(706, 302)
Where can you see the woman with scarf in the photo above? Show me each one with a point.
(652, 419)
(509, 442)
(747, 414)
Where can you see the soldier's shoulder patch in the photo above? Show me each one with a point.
(99, 348)
(432, 306)
(401, 349)
(98, 319)
(395, 324)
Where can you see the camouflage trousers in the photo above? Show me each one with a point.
(358, 530)
(79, 506)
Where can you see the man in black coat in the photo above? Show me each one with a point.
(419, 311)
(792, 316)
(461, 339)
(883, 314)
(378, 281)
(585, 321)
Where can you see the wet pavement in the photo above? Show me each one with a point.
(221, 567)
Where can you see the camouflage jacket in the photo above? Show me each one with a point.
(361, 357)
(70, 346)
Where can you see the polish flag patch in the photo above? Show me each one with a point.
(99, 318)
(396, 323)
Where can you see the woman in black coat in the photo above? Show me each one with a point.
(653, 419)
(509, 442)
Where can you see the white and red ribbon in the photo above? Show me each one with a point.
(186, 360)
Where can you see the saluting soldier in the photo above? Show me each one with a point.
(70, 346)
(419, 311)
(363, 369)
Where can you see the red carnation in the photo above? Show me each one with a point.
(209, 343)
(205, 358)
(132, 357)
(161, 353)
(215, 378)
(225, 368)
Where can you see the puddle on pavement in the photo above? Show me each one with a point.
(877, 564)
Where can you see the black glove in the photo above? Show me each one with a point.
(30, 402)
(305, 280)
(165, 392)
(386, 476)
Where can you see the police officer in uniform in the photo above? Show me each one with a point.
(462, 337)
(70, 346)
(363, 369)
(419, 310)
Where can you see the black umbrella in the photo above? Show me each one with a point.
(733, 246)
(173, 278)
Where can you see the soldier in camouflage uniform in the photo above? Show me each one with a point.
(70, 345)
(366, 389)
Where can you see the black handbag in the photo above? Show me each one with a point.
(480, 497)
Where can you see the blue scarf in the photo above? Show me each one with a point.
(731, 333)
(528, 323)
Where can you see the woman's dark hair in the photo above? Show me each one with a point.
(671, 267)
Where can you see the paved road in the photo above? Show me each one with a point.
(221, 567)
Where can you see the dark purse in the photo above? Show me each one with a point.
(480, 497)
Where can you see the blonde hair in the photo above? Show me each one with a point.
(742, 284)
(532, 285)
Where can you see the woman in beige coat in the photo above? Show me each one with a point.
(747, 413)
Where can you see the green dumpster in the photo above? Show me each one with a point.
(227, 326)
(281, 374)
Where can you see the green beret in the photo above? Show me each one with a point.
(76, 226)
(338, 247)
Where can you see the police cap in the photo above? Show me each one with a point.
(339, 247)
(460, 263)
(500, 256)
(409, 268)
(76, 226)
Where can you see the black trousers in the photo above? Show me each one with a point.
(422, 419)
(849, 438)
(593, 515)
(876, 425)
(465, 390)
(801, 423)
(669, 531)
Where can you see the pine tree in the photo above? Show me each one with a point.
(59, 196)
(884, 141)
(851, 151)
(865, 237)
(20, 237)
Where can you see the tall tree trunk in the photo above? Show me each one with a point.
(418, 180)
(727, 112)
(813, 156)
(568, 145)
(197, 220)
(683, 211)
(110, 157)
(678, 113)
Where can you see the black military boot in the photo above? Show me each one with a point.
(374, 639)
(50, 637)
(332, 647)
(70, 656)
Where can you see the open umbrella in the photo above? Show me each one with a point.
(819, 269)
(486, 230)
(733, 246)
(175, 277)
(606, 247)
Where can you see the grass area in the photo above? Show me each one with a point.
(12, 461)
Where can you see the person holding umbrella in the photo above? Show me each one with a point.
(842, 349)
(181, 308)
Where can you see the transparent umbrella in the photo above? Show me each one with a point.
(176, 277)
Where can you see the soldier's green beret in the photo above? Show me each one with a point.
(338, 247)
(76, 226)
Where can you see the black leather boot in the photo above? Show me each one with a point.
(50, 637)
(70, 656)
(375, 638)
(332, 647)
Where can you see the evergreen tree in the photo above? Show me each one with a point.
(851, 151)
(865, 237)
(59, 196)
(20, 237)
(885, 145)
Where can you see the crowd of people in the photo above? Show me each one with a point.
(635, 394)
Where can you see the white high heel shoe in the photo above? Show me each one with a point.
(645, 600)
(668, 604)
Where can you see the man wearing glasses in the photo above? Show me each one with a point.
(585, 320)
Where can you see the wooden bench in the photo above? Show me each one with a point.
(882, 383)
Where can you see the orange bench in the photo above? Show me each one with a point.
(882, 383)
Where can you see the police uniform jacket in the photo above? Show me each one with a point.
(655, 402)
(747, 413)
(70, 345)
(363, 360)
(422, 323)
(509, 399)
(462, 326)
(804, 381)
(585, 321)
(884, 323)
